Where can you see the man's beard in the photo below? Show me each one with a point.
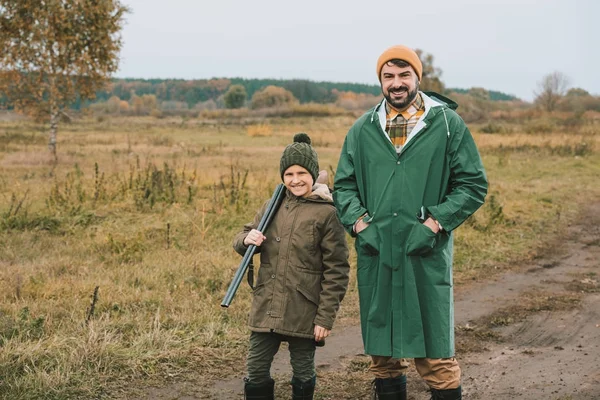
(401, 105)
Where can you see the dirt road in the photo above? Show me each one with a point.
(530, 333)
(551, 347)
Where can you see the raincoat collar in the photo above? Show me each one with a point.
(432, 102)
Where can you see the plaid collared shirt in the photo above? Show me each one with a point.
(399, 125)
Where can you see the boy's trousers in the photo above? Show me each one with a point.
(439, 373)
(264, 346)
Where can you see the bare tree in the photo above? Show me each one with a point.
(432, 75)
(550, 90)
(54, 52)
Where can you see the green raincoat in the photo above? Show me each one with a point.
(404, 269)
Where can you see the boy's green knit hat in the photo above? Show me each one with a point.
(300, 153)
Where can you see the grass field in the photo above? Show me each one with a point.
(138, 218)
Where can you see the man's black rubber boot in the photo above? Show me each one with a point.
(303, 390)
(447, 394)
(262, 391)
(390, 388)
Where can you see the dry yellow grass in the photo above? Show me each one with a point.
(145, 209)
(259, 130)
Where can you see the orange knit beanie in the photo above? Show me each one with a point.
(402, 53)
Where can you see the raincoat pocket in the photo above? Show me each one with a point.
(421, 240)
(368, 239)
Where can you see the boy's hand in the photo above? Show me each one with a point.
(321, 333)
(254, 237)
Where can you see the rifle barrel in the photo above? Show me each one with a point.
(247, 259)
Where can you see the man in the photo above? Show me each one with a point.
(409, 173)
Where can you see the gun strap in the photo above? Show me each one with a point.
(251, 275)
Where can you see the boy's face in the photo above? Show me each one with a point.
(298, 181)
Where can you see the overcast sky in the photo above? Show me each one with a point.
(499, 45)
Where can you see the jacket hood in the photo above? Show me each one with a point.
(321, 192)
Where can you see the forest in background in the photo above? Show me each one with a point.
(180, 94)
(196, 91)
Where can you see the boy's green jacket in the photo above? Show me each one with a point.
(404, 269)
(304, 267)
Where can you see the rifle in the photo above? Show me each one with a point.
(246, 262)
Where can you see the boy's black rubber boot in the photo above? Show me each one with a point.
(447, 394)
(303, 390)
(262, 391)
(390, 388)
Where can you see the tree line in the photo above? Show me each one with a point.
(197, 91)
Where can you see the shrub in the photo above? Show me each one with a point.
(235, 97)
(272, 96)
(492, 127)
(539, 127)
(316, 110)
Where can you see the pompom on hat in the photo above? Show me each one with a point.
(300, 153)
(403, 53)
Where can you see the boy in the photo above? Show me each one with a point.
(303, 275)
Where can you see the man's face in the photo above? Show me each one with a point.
(399, 85)
(298, 181)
